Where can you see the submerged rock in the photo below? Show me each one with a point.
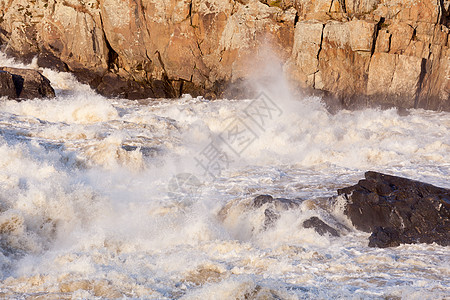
(277, 205)
(398, 210)
(320, 226)
(280, 203)
(24, 84)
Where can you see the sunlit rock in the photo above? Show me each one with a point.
(208, 47)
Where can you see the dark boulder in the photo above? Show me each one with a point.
(320, 226)
(7, 87)
(279, 203)
(28, 84)
(398, 210)
(260, 200)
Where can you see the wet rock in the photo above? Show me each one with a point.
(260, 292)
(384, 237)
(45, 59)
(7, 87)
(260, 200)
(279, 203)
(320, 226)
(113, 85)
(28, 84)
(275, 205)
(398, 210)
(270, 217)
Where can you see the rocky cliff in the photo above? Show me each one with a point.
(388, 52)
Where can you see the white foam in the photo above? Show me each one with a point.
(86, 210)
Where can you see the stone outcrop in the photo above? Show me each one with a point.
(24, 84)
(395, 210)
(390, 53)
(398, 210)
(361, 52)
(320, 226)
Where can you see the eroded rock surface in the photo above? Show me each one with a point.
(362, 52)
(398, 210)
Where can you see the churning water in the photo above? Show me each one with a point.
(111, 198)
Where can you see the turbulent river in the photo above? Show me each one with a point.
(112, 198)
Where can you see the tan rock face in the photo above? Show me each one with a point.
(304, 61)
(381, 72)
(342, 70)
(361, 6)
(356, 49)
(65, 29)
(399, 75)
(436, 84)
(387, 54)
(405, 81)
(362, 34)
(429, 11)
(383, 42)
(401, 36)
